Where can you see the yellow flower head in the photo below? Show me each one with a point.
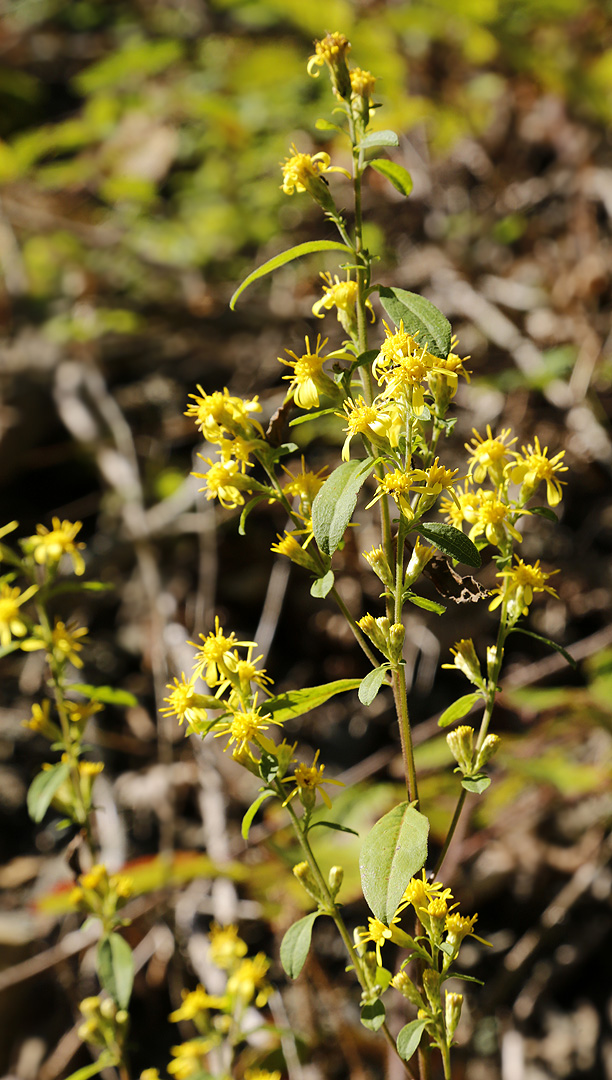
(378, 933)
(248, 981)
(224, 481)
(261, 1074)
(333, 51)
(220, 414)
(304, 486)
(343, 296)
(307, 778)
(456, 509)
(226, 946)
(213, 657)
(532, 466)
(466, 661)
(362, 83)
(398, 485)
(444, 380)
(246, 670)
(190, 1057)
(308, 379)
(40, 721)
(430, 482)
(65, 642)
(11, 620)
(519, 584)
(489, 518)
(244, 726)
(290, 546)
(489, 456)
(49, 545)
(195, 1002)
(378, 421)
(183, 701)
(420, 893)
(458, 927)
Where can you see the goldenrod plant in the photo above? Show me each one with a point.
(391, 401)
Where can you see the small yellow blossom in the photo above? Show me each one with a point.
(466, 661)
(362, 82)
(214, 656)
(261, 1074)
(378, 933)
(195, 1002)
(490, 518)
(377, 421)
(190, 1057)
(430, 482)
(304, 486)
(246, 671)
(332, 50)
(342, 295)
(11, 620)
(302, 172)
(40, 721)
(290, 546)
(420, 892)
(244, 726)
(65, 644)
(248, 981)
(49, 545)
(183, 701)
(458, 927)
(226, 946)
(307, 778)
(398, 485)
(308, 379)
(456, 509)
(224, 481)
(220, 414)
(520, 582)
(489, 456)
(532, 466)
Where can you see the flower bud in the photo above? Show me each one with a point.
(421, 555)
(431, 986)
(380, 565)
(336, 875)
(461, 745)
(491, 660)
(397, 634)
(303, 873)
(467, 662)
(486, 752)
(406, 987)
(108, 1009)
(452, 1012)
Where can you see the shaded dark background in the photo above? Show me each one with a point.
(140, 182)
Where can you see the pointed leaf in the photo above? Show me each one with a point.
(115, 966)
(326, 125)
(450, 541)
(322, 585)
(545, 512)
(105, 1061)
(379, 138)
(297, 702)
(397, 174)
(459, 708)
(332, 825)
(311, 416)
(371, 684)
(394, 850)
(419, 315)
(373, 1015)
(547, 641)
(427, 605)
(247, 820)
(296, 944)
(252, 503)
(107, 694)
(476, 784)
(409, 1038)
(333, 506)
(368, 357)
(296, 252)
(43, 788)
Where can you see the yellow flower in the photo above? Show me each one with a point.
(458, 927)
(49, 545)
(219, 414)
(288, 545)
(457, 508)
(226, 946)
(244, 726)
(362, 82)
(80, 712)
(213, 657)
(248, 981)
(343, 296)
(520, 582)
(489, 517)
(378, 933)
(332, 50)
(190, 1057)
(432, 480)
(302, 172)
(445, 379)
(420, 892)
(194, 1002)
(307, 778)
(94, 878)
(246, 671)
(308, 379)
(41, 722)
(11, 621)
(532, 466)
(403, 364)
(184, 702)
(304, 486)
(398, 485)
(224, 481)
(489, 456)
(466, 661)
(261, 1074)
(65, 644)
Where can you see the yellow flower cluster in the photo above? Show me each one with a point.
(224, 419)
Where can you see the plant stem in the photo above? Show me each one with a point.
(401, 705)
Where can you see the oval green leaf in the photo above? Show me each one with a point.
(397, 174)
(394, 850)
(427, 605)
(297, 702)
(372, 684)
(419, 316)
(107, 694)
(450, 541)
(296, 943)
(115, 966)
(333, 506)
(409, 1038)
(311, 247)
(379, 138)
(247, 820)
(322, 585)
(43, 788)
(459, 708)
(476, 784)
(373, 1016)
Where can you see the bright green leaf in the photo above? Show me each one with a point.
(397, 174)
(296, 252)
(333, 506)
(545, 512)
(105, 1061)
(310, 416)
(459, 708)
(409, 1038)
(450, 541)
(423, 602)
(547, 641)
(371, 684)
(107, 694)
(43, 788)
(394, 850)
(252, 503)
(476, 784)
(379, 138)
(297, 702)
(332, 825)
(115, 966)
(247, 820)
(322, 585)
(419, 316)
(296, 944)
(373, 1015)
(326, 125)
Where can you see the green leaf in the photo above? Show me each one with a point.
(332, 825)
(326, 125)
(547, 641)
(545, 512)
(107, 694)
(365, 358)
(419, 316)
(7, 649)
(322, 585)
(333, 506)
(105, 1061)
(427, 605)
(379, 138)
(397, 174)
(409, 1038)
(371, 684)
(79, 586)
(394, 850)
(296, 252)
(247, 820)
(43, 788)
(252, 503)
(296, 943)
(373, 1015)
(297, 702)
(476, 784)
(268, 766)
(450, 541)
(459, 708)
(115, 966)
(311, 416)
